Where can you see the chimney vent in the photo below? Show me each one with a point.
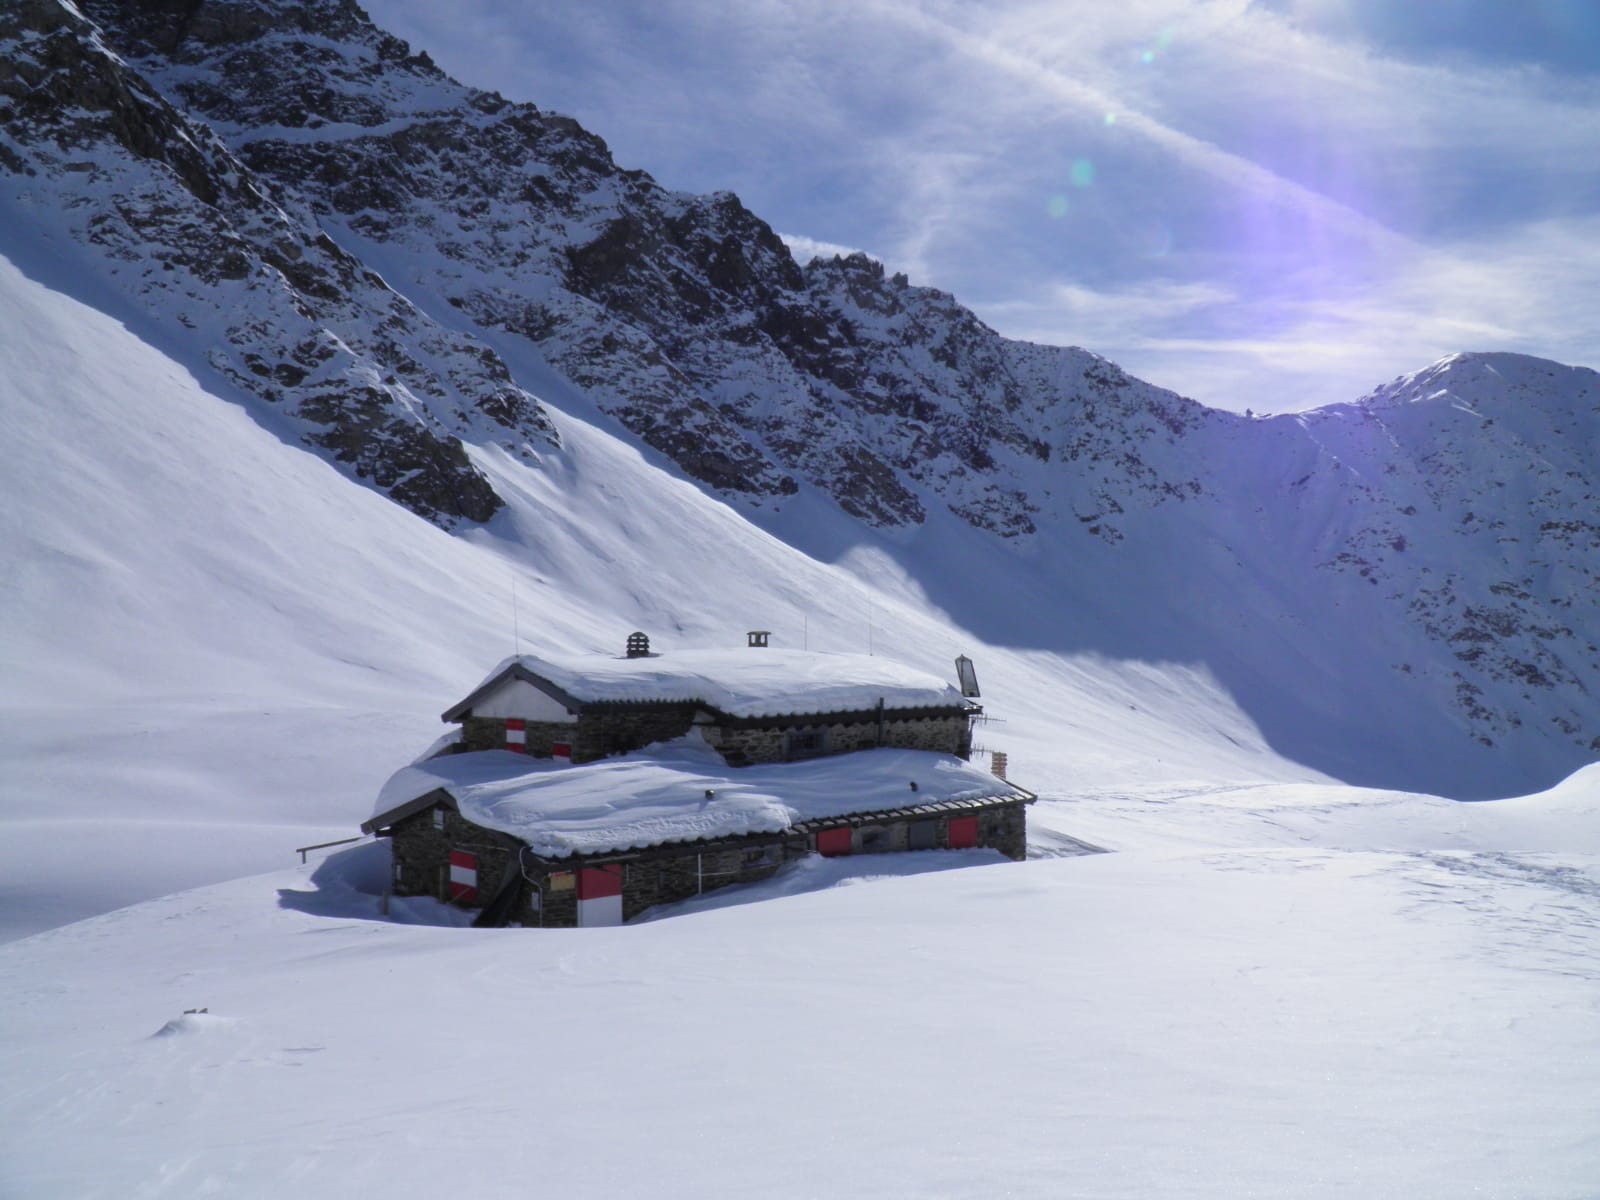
(638, 646)
(758, 637)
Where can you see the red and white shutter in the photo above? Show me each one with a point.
(561, 750)
(600, 895)
(463, 877)
(516, 735)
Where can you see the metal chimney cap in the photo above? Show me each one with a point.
(638, 645)
(757, 637)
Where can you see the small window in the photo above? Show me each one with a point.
(874, 839)
(760, 856)
(438, 817)
(399, 873)
(805, 743)
(923, 835)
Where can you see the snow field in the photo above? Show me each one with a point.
(1256, 1023)
(216, 649)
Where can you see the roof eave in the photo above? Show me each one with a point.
(410, 808)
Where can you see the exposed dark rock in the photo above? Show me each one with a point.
(279, 308)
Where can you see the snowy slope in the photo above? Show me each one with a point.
(1189, 1025)
(99, 169)
(218, 647)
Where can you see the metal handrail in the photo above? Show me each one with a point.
(302, 851)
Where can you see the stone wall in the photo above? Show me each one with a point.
(420, 847)
(656, 877)
(1005, 828)
(742, 747)
(489, 733)
(1001, 827)
(603, 731)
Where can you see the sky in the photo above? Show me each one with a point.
(1263, 204)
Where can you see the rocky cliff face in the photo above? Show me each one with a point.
(339, 229)
(683, 316)
(1471, 503)
(242, 273)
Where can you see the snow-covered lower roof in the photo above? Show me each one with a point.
(658, 795)
(739, 683)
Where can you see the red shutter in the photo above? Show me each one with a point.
(463, 877)
(833, 843)
(595, 883)
(963, 832)
(516, 735)
(561, 750)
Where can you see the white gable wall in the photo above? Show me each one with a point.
(517, 698)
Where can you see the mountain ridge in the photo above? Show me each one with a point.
(239, 168)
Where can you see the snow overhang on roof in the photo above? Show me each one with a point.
(736, 683)
(660, 795)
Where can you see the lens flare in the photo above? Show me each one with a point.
(1111, 118)
(1058, 207)
(1154, 238)
(1082, 173)
(1163, 43)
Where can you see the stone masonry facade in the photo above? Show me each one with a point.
(743, 745)
(548, 888)
(599, 732)
(420, 846)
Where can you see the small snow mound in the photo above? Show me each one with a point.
(193, 1021)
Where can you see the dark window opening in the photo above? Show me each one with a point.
(805, 743)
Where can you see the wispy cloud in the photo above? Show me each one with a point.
(1258, 202)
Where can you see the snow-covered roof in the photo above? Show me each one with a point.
(739, 683)
(658, 794)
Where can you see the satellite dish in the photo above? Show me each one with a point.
(967, 677)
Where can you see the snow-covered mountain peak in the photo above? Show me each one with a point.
(1498, 380)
